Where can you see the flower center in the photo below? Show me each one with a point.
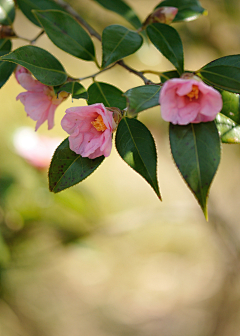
(99, 124)
(194, 93)
(57, 99)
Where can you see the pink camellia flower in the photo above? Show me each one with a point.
(189, 100)
(40, 101)
(90, 128)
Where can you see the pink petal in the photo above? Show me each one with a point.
(84, 138)
(29, 83)
(178, 108)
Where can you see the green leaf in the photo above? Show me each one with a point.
(43, 65)
(229, 130)
(66, 33)
(107, 94)
(142, 98)
(26, 6)
(168, 75)
(231, 106)
(121, 8)
(223, 73)
(136, 146)
(196, 152)
(188, 10)
(5, 46)
(118, 42)
(6, 68)
(168, 42)
(7, 12)
(68, 168)
(76, 89)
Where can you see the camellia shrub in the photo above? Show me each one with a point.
(195, 104)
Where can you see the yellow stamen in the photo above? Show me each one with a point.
(63, 95)
(99, 124)
(56, 99)
(194, 93)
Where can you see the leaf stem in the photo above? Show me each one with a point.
(37, 37)
(158, 73)
(95, 74)
(33, 41)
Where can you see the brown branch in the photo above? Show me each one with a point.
(137, 73)
(95, 34)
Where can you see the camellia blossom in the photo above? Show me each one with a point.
(189, 100)
(90, 128)
(40, 101)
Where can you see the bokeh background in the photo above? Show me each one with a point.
(106, 257)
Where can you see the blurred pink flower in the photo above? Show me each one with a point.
(36, 150)
(40, 101)
(189, 100)
(90, 128)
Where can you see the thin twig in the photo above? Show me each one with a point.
(93, 32)
(137, 73)
(96, 74)
(33, 40)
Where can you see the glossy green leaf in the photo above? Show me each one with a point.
(118, 42)
(168, 42)
(66, 33)
(68, 168)
(107, 94)
(142, 98)
(43, 65)
(188, 10)
(228, 129)
(121, 8)
(76, 89)
(6, 68)
(231, 106)
(223, 73)
(168, 75)
(5, 46)
(7, 12)
(26, 6)
(196, 152)
(136, 146)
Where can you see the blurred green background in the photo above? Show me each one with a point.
(106, 257)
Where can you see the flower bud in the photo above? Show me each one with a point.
(162, 14)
